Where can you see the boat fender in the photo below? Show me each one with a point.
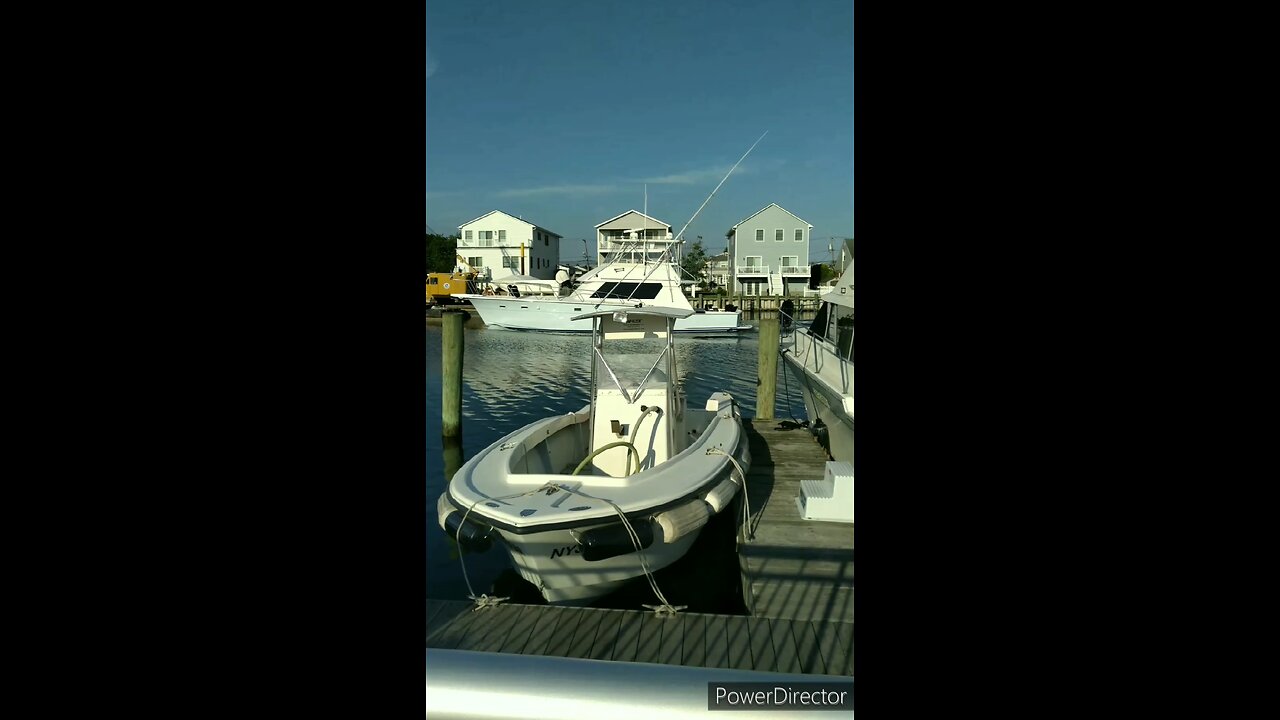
(443, 508)
(606, 541)
(682, 520)
(474, 536)
(720, 496)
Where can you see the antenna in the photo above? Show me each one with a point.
(713, 192)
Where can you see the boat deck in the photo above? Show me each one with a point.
(792, 568)
(691, 639)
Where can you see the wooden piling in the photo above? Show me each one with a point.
(768, 366)
(453, 455)
(451, 367)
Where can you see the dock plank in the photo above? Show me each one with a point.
(585, 634)
(548, 617)
(762, 653)
(845, 631)
(690, 639)
(811, 660)
(672, 639)
(649, 648)
(444, 612)
(787, 659)
(809, 600)
(628, 644)
(562, 635)
(717, 641)
(607, 635)
(835, 652)
(694, 651)
(738, 637)
(451, 634)
(496, 624)
(521, 631)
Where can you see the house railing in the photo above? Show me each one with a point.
(795, 270)
(752, 270)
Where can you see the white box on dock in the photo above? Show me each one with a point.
(831, 498)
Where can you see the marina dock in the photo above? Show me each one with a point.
(689, 639)
(791, 568)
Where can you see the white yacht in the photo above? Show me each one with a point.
(583, 503)
(820, 358)
(616, 286)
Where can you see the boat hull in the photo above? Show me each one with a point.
(826, 384)
(556, 315)
(553, 562)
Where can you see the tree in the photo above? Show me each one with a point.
(694, 261)
(442, 253)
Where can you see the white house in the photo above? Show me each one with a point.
(769, 253)
(632, 236)
(498, 244)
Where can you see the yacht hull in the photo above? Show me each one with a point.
(826, 384)
(556, 315)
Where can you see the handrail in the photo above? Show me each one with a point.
(466, 685)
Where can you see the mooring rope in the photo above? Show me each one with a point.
(484, 601)
(747, 534)
(666, 608)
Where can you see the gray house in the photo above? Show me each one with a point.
(769, 253)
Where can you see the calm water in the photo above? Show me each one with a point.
(512, 378)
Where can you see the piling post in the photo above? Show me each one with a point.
(767, 383)
(451, 365)
(452, 447)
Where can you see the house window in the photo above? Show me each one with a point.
(799, 235)
(512, 263)
(475, 262)
(546, 240)
(502, 234)
(486, 234)
(759, 234)
(777, 235)
(467, 235)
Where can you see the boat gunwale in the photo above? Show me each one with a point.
(739, 453)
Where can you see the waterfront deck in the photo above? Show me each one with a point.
(691, 639)
(792, 568)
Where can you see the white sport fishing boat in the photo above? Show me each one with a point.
(616, 286)
(820, 358)
(585, 502)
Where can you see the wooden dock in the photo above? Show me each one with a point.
(792, 568)
(691, 639)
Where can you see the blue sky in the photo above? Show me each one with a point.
(561, 111)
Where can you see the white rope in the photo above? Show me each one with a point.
(747, 535)
(482, 601)
(666, 608)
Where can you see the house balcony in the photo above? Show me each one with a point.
(752, 270)
(489, 243)
(795, 270)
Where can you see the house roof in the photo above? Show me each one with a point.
(513, 217)
(766, 207)
(656, 220)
